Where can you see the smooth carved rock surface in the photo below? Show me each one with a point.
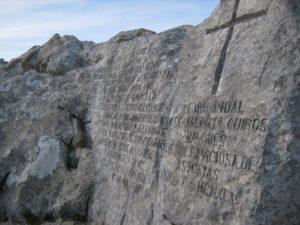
(197, 125)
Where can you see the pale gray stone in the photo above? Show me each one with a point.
(197, 125)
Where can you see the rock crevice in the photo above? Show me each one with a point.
(193, 125)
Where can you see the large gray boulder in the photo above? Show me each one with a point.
(194, 125)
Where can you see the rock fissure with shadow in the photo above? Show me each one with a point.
(196, 125)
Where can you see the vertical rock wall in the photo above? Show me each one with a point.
(194, 125)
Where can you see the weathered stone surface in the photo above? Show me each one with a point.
(129, 35)
(194, 125)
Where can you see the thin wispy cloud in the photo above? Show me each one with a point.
(24, 23)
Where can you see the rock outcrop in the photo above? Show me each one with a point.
(194, 125)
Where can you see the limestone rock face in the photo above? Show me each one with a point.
(197, 125)
(129, 35)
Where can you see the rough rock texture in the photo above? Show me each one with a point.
(194, 125)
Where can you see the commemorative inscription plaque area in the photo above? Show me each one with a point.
(197, 125)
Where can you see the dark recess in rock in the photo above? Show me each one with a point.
(192, 125)
(31, 218)
(3, 180)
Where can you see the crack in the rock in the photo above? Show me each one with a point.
(3, 181)
(74, 115)
(125, 211)
(88, 205)
(31, 218)
(49, 217)
(123, 218)
(81, 136)
(157, 164)
(4, 218)
(78, 209)
(168, 219)
(150, 219)
(71, 161)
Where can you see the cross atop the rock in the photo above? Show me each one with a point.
(230, 24)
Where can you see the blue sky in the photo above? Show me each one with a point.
(25, 23)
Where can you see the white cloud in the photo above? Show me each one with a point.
(25, 23)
